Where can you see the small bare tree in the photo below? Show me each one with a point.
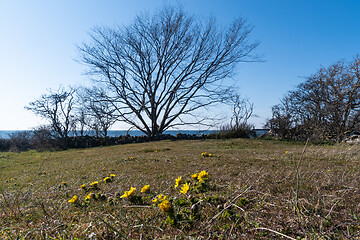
(57, 108)
(96, 112)
(161, 70)
(242, 110)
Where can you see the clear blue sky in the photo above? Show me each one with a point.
(38, 39)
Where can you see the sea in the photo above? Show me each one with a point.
(5, 134)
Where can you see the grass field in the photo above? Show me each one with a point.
(256, 189)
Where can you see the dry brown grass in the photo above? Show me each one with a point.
(251, 194)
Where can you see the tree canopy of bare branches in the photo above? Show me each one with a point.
(161, 69)
(58, 109)
(95, 111)
(325, 107)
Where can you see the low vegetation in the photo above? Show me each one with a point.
(190, 189)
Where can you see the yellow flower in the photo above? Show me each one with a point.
(82, 186)
(74, 199)
(112, 175)
(125, 195)
(185, 188)
(209, 155)
(165, 206)
(194, 176)
(132, 190)
(286, 151)
(94, 183)
(64, 183)
(177, 182)
(160, 197)
(128, 193)
(202, 175)
(203, 154)
(145, 189)
(107, 179)
(88, 196)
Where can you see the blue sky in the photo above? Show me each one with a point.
(38, 44)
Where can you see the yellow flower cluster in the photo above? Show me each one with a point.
(203, 175)
(128, 193)
(165, 206)
(205, 154)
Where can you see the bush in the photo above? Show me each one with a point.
(20, 141)
(42, 139)
(4, 145)
(228, 131)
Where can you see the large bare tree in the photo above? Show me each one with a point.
(162, 69)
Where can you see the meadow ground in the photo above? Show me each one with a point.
(256, 189)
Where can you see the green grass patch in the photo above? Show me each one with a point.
(250, 191)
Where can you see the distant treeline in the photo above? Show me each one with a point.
(43, 140)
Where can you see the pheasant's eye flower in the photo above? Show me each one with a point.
(203, 154)
(160, 197)
(64, 183)
(194, 176)
(177, 182)
(202, 176)
(112, 175)
(185, 188)
(107, 179)
(128, 193)
(286, 151)
(74, 199)
(145, 189)
(132, 190)
(88, 196)
(165, 206)
(125, 195)
(94, 183)
(82, 186)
